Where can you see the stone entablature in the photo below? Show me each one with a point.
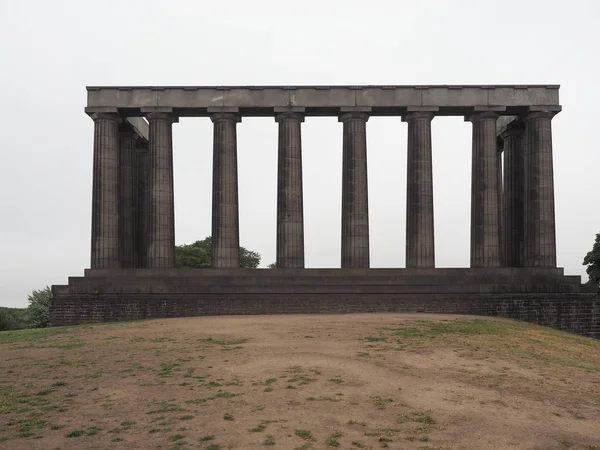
(260, 101)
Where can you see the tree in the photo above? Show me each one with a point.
(592, 261)
(272, 266)
(199, 255)
(38, 311)
(13, 318)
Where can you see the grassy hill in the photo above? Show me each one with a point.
(360, 381)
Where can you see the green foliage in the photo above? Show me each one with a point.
(199, 255)
(592, 261)
(38, 312)
(272, 266)
(36, 315)
(13, 318)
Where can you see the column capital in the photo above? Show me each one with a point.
(414, 115)
(106, 116)
(289, 115)
(227, 116)
(162, 116)
(537, 113)
(353, 115)
(479, 115)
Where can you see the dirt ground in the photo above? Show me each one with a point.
(365, 381)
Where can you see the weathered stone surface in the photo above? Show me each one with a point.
(485, 220)
(514, 193)
(539, 295)
(127, 195)
(105, 192)
(355, 197)
(420, 245)
(540, 234)
(290, 211)
(160, 209)
(320, 100)
(225, 213)
(143, 200)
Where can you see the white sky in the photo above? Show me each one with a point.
(49, 52)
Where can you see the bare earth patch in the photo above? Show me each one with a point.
(364, 381)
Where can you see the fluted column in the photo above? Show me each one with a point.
(225, 209)
(420, 247)
(485, 220)
(290, 215)
(127, 195)
(105, 192)
(160, 210)
(540, 231)
(142, 201)
(514, 193)
(355, 201)
(501, 225)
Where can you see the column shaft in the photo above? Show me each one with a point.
(160, 208)
(290, 215)
(105, 192)
(127, 197)
(501, 224)
(485, 224)
(355, 201)
(540, 234)
(142, 201)
(225, 209)
(514, 193)
(420, 247)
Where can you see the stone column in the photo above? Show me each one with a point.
(540, 232)
(105, 192)
(128, 195)
(160, 210)
(290, 215)
(500, 202)
(142, 200)
(420, 248)
(355, 201)
(485, 223)
(225, 209)
(514, 193)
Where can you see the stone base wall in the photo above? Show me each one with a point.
(577, 313)
(542, 296)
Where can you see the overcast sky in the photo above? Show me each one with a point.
(51, 50)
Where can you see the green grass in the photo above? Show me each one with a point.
(337, 380)
(208, 437)
(260, 427)
(269, 440)
(228, 416)
(165, 406)
(90, 431)
(213, 447)
(223, 342)
(332, 442)
(304, 434)
(380, 402)
(32, 334)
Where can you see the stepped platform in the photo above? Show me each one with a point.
(541, 295)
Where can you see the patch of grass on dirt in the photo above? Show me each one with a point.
(37, 335)
(269, 440)
(304, 434)
(165, 406)
(223, 342)
(380, 402)
(90, 431)
(208, 437)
